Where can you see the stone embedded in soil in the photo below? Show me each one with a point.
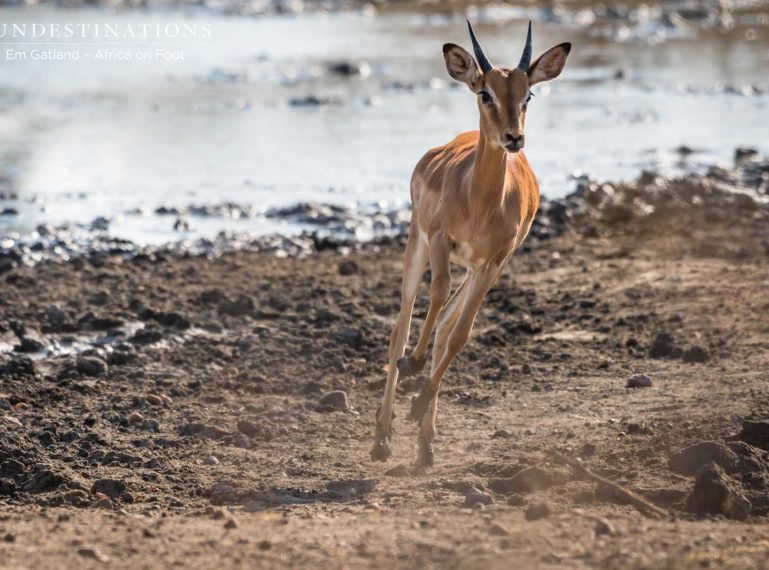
(498, 530)
(604, 526)
(639, 381)
(755, 433)
(351, 337)
(690, 459)
(664, 347)
(696, 354)
(154, 399)
(476, 497)
(538, 511)
(348, 267)
(715, 493)
(146, 336)
(30, 344)
(112, 488)
(335, 400)
(527, 480)
(135, 418)
(400, 470)
(44, 480)
(91, 366)
(7, 487)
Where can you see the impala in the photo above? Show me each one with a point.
(473, 201)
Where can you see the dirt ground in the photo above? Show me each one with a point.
(190, 433)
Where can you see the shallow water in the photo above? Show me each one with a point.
(81, 139)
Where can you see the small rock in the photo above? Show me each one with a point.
(333, 401)
(110, 487)
(154, 399)
(348, 267)
(516, 500)
(742, 154)
(135, 418)
(603, 526)
(696, 354)
(7, 487)
(44, 480)
(93, 554)
(538, 511)
(690, 459)
(664, 347)
(715, 493)
(502, 434)
(475, 497)
(639, 381)
(230, 524)
(498, 530)
(211, 460)
(91, 366)
(525, 369)
(265, 545)
(400, 470)
(351, 337)
(527, 480)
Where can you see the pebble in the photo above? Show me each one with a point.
(400, 470)
(109, 487)
(348, 267)
(135, 418)
(498, 530)
(230, 524)
(93, 554)
(538, 511)
(91, 366)
(154, 399)
(211, 460)
(476, 497)
(334, 400)
(639, 381)
(696, 354)
(603, 526)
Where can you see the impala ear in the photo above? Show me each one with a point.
(550, 64)
(461, 66)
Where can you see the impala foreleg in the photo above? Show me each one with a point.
(440, 287)
(477, 287)
(413, 267)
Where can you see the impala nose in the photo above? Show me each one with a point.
(513, 142)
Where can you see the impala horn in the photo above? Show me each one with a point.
(525, 62)
(483, 61)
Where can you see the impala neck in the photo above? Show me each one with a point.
(489, 171)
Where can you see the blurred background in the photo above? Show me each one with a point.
(226, 110)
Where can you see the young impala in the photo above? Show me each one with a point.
(473, 201)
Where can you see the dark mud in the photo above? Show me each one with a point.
(207, 390)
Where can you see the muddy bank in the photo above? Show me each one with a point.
(212, 403)
(594, 208)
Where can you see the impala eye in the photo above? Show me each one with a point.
(526, 102)
(486, 98)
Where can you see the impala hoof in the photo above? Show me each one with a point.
(419, 405)
(380, 451)
(425, 459)
(408, 366)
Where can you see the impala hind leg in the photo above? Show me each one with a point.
(477, 287)
(413, 266)
(446, 320)
(440, 287)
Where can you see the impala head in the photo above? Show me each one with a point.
(503, 94)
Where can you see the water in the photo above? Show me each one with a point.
(81, 139)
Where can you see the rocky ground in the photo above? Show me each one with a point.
(169, 409)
